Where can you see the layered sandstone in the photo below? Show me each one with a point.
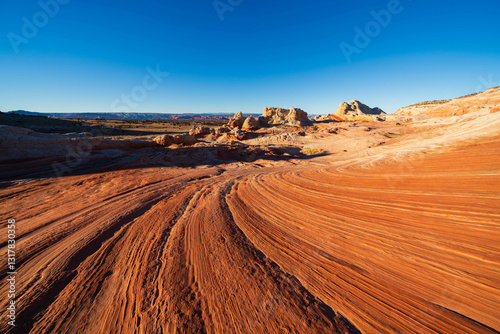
(21, 143)
(488, 100)
(393, 230)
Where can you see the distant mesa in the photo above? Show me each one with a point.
(25, 112)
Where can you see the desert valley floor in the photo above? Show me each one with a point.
(383, 234)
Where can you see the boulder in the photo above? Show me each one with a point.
(238, 134)
(164, 140)
(220, 131)
(250, 124)
(199, 131)
(235, 134)
(184, 139)
(237, 120)
(167, 140)
(263, 120)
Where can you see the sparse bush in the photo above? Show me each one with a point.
(315, 128)
(469, 95)
(428, 103)
(312, 151)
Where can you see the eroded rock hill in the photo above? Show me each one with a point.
(487, 100)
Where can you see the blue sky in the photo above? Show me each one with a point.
(243, 54)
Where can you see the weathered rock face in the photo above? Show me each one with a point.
(199, 131)
(292, 116)
(268, 112)
(263, 120)
(356, 110)
(234, 134)
(184, 139)
(164, 140)
(296, 117)
(220, 131)
(237, 120)
(238, 134)
(250, 124)
(271, 116)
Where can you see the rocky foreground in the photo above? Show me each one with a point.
(347, 227)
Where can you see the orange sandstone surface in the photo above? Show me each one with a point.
(487, 100)
(399, 237)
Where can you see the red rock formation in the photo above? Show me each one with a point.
(250, 124)
(292, 116)
(356, 110)
(399, 239)
(237, 121)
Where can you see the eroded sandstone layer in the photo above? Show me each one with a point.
(393, 236)
(487, 100)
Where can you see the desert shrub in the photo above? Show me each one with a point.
(468, 95)
(429, 102)
(312, 151)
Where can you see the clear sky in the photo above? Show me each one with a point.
(230, 55)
